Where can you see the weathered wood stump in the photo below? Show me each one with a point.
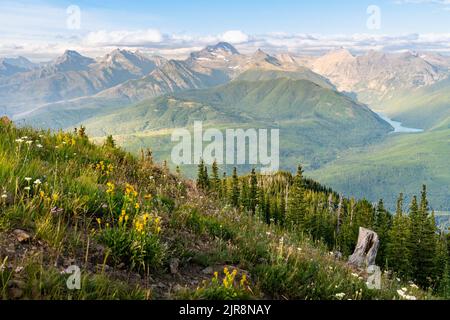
(366, 250)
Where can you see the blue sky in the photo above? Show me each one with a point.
(263, 16)
(175, 27)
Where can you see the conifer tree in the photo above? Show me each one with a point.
(244, 198)
(398, 254)
(296, 210)
(224, 187)
(235, 193)
(202, 176)
(422, 241)
(215, 180)
(382, 226)
(253, 192)
(109, 142)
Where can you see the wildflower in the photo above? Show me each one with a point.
(55, 197)
(412, 285)
(29, 142)
(37, 182)
(27, 188)
(4, 196)
(99, 221)
(148, 197)
(216, 275)
(28, 179)
(243, 280)
(137, 206)
(340, 295)
(39, 146)
(110, 187)
(19, 140)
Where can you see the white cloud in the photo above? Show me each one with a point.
(124, 38)
(180, 45)
(235, 37)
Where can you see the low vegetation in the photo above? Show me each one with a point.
(137, 231)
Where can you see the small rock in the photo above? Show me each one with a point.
(17, 284)
(174, 264)
(15, 293)
(21, 235)
(208, 270)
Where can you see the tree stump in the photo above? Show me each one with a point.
(366, 250)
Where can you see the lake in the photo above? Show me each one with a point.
(398, 128)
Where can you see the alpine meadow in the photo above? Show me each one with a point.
(156, 152)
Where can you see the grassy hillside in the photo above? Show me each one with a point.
(399, 164)
(423, 108)
(301, 74)
(139, 232)
(315, 123)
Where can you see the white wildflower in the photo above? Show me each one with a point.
(19, 140)
(340, 295)
(412, 285)
(27, 188)
(27, 179)
(37, 182)
(39, 146)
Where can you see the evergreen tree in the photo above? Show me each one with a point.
(235, 188)
(253, 193)
(442, 277)
(422, 242)
(245, 202)
(109, 142)
(215, 180)
(382, 226)
(296, 210)
(398, 255)
(202, 176)
(224, 187)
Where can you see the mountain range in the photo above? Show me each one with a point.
(323, 105)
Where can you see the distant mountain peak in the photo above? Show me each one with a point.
(223, 46)
(72, 60)
(261, 56)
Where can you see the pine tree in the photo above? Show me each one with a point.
(224, 187)
(253, 193)
(442, 277)
(422, 241)
(109, 142)
(235, 188)
(296, 210)
(244, 198)
(215, 180)
(398, 255)
(382, 226)
(202, 176)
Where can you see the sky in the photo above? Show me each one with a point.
(43, 29)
